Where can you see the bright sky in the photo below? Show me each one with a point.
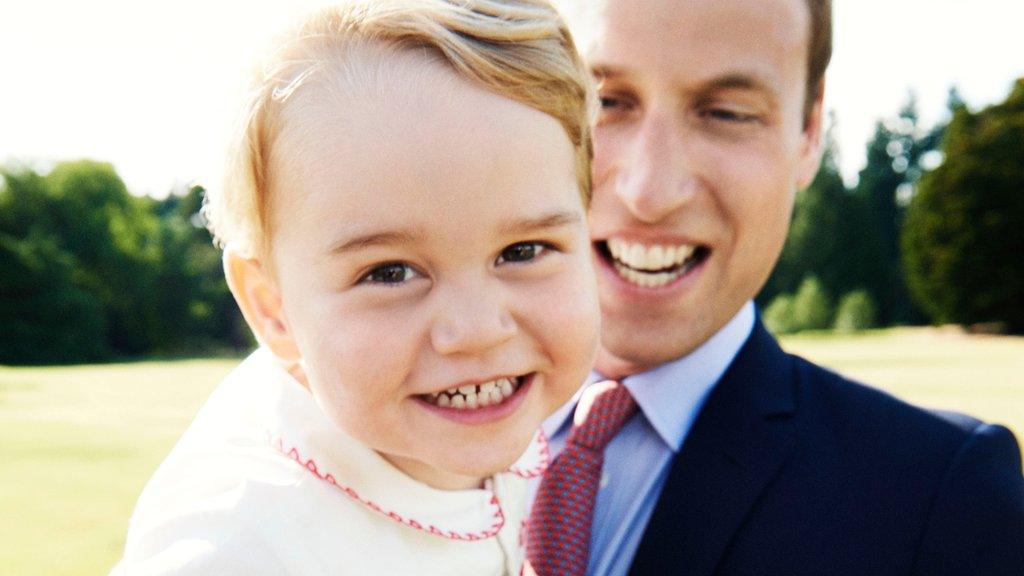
(146, 85)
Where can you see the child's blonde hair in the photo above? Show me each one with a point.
(519, 49)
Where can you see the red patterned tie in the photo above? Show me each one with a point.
(558, 541)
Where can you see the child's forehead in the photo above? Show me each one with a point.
(369, 85)
(381, 102)
(436, 154)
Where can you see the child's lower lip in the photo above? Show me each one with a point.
(486, 414)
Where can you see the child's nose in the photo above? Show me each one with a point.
(472, 322)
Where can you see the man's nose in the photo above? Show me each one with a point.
(656, 176)
(472, 319)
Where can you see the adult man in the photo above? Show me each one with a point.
(740, 458)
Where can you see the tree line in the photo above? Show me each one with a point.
(933, 232)
(90, 272)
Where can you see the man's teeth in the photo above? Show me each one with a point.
(647, 279)
(648, 258)
(476, 395)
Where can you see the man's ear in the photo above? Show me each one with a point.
(258, 296)
(810, 156)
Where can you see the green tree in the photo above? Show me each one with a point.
(113, 238)
(964, 234)
(779, 316)
(46, 314)
(855, 312)
(884, 188)
(812, 306)
(191, 289)
(826, 236)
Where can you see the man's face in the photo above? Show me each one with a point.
(699, 149)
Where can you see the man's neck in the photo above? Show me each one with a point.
(729, 336)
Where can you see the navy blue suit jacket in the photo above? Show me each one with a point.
(793, 470)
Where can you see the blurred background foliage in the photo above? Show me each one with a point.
(932, 232)
(89, 272)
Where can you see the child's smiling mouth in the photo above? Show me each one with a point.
(475, 396)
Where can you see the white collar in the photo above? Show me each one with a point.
(300, 431)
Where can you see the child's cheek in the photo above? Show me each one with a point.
(571, 317)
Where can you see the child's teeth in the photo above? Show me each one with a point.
(495, 395)
(469, 397)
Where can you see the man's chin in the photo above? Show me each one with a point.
(625, 356)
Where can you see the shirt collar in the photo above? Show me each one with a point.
(671, 394)
(301, 431)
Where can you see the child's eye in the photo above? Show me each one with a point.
(618, 103)
(390, 273)
(608, 102)
(522, 252)
(612, 103)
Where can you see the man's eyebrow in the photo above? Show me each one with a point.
(738, 81)
(543, 222)
(728, 81)
(371, 239)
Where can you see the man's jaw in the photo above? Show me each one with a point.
(650, 266)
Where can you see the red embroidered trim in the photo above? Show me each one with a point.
(310, 465)
(545, 456)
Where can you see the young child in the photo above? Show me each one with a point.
(403, 229)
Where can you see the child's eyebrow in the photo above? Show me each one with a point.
(543, 222)
(373, 239)
(391, 237)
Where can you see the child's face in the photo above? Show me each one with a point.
(429, 235)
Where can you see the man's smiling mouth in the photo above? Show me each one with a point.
(651, 266)
(473, 396)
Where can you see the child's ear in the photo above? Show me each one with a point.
(260, 300)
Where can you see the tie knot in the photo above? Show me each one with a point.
(603, 409)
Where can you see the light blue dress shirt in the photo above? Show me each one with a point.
(638, 459)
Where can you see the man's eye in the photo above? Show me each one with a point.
(521, 252)
(726, 115)
(391, 273)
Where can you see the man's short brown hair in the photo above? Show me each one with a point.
(819, 50)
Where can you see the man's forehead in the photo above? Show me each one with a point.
(665, 20)
(733, 43)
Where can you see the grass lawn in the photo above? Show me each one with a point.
(936, 368)
(77, 444)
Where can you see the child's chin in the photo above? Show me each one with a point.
(487, 459)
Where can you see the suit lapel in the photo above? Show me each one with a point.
(739, 441)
